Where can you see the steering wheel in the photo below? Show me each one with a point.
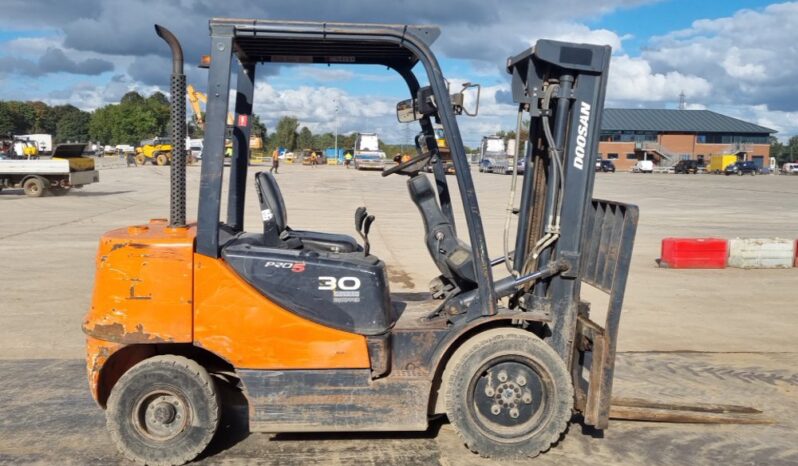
(402, 166)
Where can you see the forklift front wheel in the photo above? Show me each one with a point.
(164, 410)
(140, 159)
(509, 394)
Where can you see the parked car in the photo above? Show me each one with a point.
(643, 166)
(789, 169)
(605, 166)
(741, 168)
(688, 167)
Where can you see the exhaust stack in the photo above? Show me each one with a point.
(177, 199)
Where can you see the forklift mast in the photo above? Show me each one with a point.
(561, 87)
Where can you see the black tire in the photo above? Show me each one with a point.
(141, 159)
(163, 387)
(34, 187)
(522, 424)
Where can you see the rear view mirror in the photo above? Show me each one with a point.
(406, 111)
(467, 98)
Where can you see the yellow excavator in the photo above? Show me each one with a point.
(194, 99)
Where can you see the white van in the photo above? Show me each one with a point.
(789, 169)
(643, 166)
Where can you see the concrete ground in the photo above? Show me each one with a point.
(723, 336)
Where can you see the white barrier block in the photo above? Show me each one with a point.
(761, 253)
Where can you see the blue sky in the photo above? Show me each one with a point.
(730, 56)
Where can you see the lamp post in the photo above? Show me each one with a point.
(336, 130)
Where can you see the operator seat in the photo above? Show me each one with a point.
(276, 231)
(452, 256)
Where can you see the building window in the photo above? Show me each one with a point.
(631, 156)
(612, 156)
(684, 157)
(628, 136)
(731, 138)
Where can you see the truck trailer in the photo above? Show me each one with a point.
(68, 168)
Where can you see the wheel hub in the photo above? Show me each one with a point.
(508, 395)
(165, 413)
(161, 416)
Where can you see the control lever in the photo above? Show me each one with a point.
(366, 229)
(360, 217)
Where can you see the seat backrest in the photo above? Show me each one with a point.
(452, 256)
(272, 207)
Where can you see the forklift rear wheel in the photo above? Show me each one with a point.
(161, 159)
(34, 187)
(141, 159)
(164, 410)
(508, 394)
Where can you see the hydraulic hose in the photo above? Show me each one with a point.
(554, 201)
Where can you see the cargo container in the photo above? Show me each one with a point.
(718, 163)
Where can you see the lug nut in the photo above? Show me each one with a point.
(527, 397)
(502, 376)
(514, 413)
(520, 380)
(495, 409)
(489, 391)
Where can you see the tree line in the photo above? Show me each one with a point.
(288, 135)
(784, 153)
(133, 119)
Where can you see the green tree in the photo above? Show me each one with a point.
(132, 120)
(323, 141)
(6, 120)
(305, 138)
(347, 141)
(132, 98)
(158, 106)
(285, 135)
(258, 128)
(777, 150)
(72, 126)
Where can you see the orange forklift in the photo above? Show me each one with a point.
(304, 323)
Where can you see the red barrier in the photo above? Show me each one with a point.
(694, 253)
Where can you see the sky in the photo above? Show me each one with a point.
(734, 57)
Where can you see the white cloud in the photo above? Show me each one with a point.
(750, 57)
(632, 80)
(744, 65)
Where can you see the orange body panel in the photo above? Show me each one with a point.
(97, 354)
(238, 323)
(143, 285)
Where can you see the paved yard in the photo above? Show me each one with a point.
(724, 336)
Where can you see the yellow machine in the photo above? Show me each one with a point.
(20, 148)
(440, 138)
(718, 163)
(157, 151)
(194, 99)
